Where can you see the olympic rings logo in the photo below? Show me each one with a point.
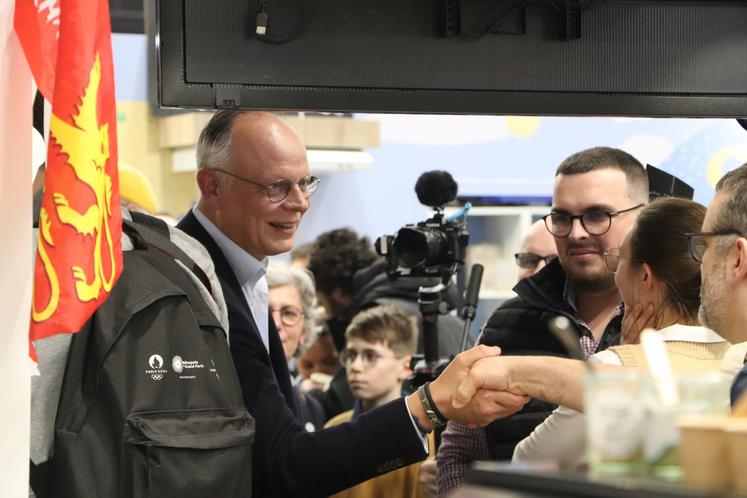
(156, 376)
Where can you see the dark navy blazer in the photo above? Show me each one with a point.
(287, 460)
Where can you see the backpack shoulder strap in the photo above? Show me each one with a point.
(152, 232)
(166, 265)
(155, 224)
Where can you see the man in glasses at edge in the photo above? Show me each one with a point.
(255, 186)
(721, 249)
(596, 199)
(537, 250)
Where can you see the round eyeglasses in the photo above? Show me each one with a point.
(530, 260)
(612, 259)
(369, 357)
(696, 241)
(289, 315)
(279, 190)
(595, 221)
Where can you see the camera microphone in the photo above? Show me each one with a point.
(435, 188)
(435, 247)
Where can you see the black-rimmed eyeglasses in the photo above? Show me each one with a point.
(696, 241)
(595, 221)
(530, 260)
(279, 190)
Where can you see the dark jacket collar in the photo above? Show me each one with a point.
(545, 288)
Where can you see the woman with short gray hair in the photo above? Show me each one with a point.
(292, 300)
(295, 315)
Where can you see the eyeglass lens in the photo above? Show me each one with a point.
(612, 260)
(594, 221)
(368, 357)
(279, 190)
(529, 260)
(696, 242)
(289, 315)
(697, 246)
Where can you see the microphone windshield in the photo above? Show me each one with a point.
(436, 188)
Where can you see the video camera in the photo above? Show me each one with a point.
(432, 250)
(434, 247)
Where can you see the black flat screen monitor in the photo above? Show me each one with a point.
(593, 57)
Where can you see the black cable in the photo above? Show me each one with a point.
(301, 10)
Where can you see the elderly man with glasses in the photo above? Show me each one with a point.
(596, 198)
(255, 186)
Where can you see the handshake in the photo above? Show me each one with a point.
(474, 389)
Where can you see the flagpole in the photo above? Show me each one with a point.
(16, 256)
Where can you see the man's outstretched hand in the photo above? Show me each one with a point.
(483, 405)
(487, 375)
(549, 378)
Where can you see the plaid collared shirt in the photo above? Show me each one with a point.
(589, 344)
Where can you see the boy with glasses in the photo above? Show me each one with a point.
(380, 342)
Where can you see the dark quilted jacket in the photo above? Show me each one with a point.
(519, 327)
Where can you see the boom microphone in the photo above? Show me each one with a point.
(473, 292)
(436, 188)
(470, 300)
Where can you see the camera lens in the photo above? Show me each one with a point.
(418, 246)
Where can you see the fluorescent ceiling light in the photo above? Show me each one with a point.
(327, 161)
(320, 161)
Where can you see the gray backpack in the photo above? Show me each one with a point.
(150, 403)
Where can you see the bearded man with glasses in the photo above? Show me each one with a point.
(255, 186)
(596, 198)
(721, 249)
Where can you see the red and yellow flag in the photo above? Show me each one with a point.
(79, 255)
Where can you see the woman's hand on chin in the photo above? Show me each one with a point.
(636, 319)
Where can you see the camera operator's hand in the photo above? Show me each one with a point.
(483, 407)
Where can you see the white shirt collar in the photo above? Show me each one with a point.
(690, 333)
(247, 268)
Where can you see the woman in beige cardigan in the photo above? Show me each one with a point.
(660, 285)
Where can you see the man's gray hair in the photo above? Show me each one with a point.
(280, 273)
(214, 144)
(733, 211)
